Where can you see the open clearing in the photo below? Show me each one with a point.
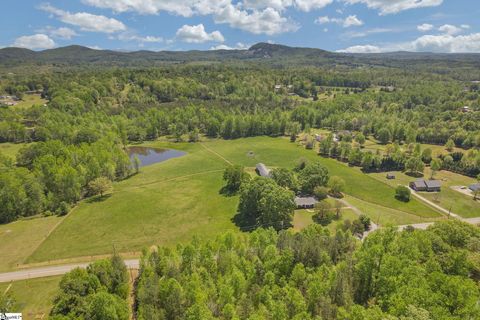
(303, 218)
(448, 198)
(18, 239)
(172, 201)
(11, 149)
(33, 297)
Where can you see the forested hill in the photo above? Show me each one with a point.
(261, 52)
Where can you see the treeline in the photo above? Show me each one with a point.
(97, 293)
(51, 176)
(428, 274)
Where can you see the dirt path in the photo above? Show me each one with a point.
(434, 205)
(373, 226)
(216, 153)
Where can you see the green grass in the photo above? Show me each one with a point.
(278, 152)
(11, 149)
(20, 238)
(33, 298)
(303, 218)
(30, 100)
(165, 204)
(170, 202)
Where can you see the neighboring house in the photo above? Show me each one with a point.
(474, 187)
(426, 185)
(390, 176)
(466, 109)
(262, 170)
(305, 202)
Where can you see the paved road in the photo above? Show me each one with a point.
(52, 271)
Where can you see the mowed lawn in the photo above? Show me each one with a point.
(448, 198)
(19, 239)
(167, 203)
(11, 149)
(33, 298)
(279, 152)
(303, 218)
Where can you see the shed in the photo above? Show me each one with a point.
(475, 187)
(390, 176)
(433, 185)
(305, 202)
(262, 170)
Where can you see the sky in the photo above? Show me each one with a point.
(335, 25)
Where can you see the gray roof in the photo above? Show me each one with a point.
(263, 170)
(474, 187)
(433, 183)
(305, 201)
(419, 183)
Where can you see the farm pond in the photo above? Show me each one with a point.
(148, 156)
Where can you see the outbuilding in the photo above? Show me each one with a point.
(474, 187)
(262, 170)
(426, 185)
(390, 176)
(305, 202)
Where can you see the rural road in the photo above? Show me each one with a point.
(52, 271)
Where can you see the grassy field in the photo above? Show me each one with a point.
(170, 202)
(11, 149)
(448, 198)
(19, 239)
(303, 218)
(30, 100)
(278, 152)
(33, 297)
(165, 204)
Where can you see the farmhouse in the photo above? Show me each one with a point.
(426, 185)
(262, 170)
(474, 187)
(305, 202)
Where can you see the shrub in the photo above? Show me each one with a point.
(402, 193)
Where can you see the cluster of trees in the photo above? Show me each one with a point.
(393, 275)
(51, 176)
(99, 292)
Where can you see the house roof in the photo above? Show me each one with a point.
(474, 187)
(263, 170)
(305, 201)
(419, 183)
(433, 183)
(390, 174)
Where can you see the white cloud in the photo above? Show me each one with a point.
(349, 21)
(129, 36)
(35, 42)
(63, 33)
(86, 21)
(364, 33)
(425, 27)
(308, 5)
(269, 21)
(465, 26)
(255, 16)
(197, 34)
(238, 46)
(361, 49)
(448, 43)
(394, 6)
(450, 29)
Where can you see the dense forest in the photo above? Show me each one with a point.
(79, 136)
(430, 274)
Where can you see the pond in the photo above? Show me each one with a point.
(150, 156)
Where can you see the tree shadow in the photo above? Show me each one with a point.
(250, 225)
(96, 199)
(224, 191)
(414, 174)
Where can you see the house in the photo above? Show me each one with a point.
(465, 109)
(278, 87)
(305, 202)
(474, 187)
(262, 170)
(390, 176)
(426, 185)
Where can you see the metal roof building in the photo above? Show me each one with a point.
(262, 170)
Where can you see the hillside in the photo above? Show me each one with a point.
(262, 52)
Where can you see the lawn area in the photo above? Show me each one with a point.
(278, 152)
(11, 149)
(30, 100)
(303, 218)
(448, 198)
(165, 204)
(34, 298)
(20, 238)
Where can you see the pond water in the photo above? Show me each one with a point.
(150, 156)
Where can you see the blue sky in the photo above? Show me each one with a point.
(335, 25)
